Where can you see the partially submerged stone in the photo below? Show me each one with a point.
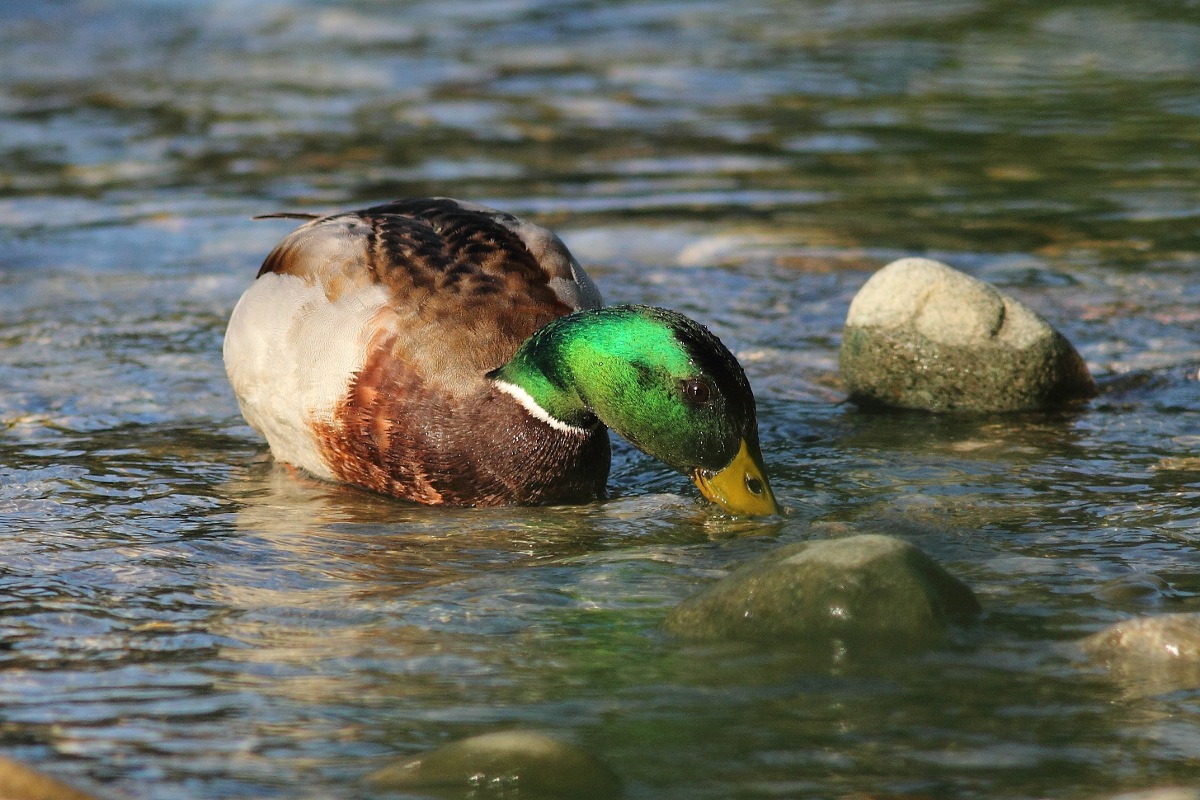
(1159, 793)
(866, 588)
(19, 782)
(922, 335)
(535, 765)
(1150, 655)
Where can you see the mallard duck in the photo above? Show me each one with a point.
(447, 353)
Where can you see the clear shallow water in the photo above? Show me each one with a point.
(181, 618)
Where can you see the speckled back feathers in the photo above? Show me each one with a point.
(395, 314)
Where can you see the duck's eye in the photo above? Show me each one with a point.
(696, 391)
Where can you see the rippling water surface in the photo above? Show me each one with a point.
(179, 617)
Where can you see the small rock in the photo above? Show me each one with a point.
(1151, 655)
(537, 766)
(19, 782)
(1159, 793)
(867, 588)
(1137, 587)
(922, 335)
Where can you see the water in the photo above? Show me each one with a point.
(182, 618)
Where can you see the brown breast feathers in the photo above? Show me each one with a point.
(419, 420)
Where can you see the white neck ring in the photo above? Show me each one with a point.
(536, 411)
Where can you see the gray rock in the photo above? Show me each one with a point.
(867, 588)
(1159, 793)
(532, 764)
(1149, 655)
(922, 335)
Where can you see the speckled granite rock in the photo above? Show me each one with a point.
(922, 335)
(866, 588)
(1150, 655)
(535, 765)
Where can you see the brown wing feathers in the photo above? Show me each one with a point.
(419, 420)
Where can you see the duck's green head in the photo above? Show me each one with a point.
(662, 381)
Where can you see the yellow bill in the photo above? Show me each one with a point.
(742, 486)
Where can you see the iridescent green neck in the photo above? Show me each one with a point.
(660, 380)
(628, 366)
(591, 364)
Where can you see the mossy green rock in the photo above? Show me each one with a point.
(507, 762)
(867, 588)
(922, 335)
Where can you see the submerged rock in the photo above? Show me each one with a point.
(866, 588)
(1159, 793)
(1150, 655)
(532, 764)
(19, 782)
(922, 335)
